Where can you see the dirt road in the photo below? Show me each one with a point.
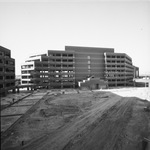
(84, 121)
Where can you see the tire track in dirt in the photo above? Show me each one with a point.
(107, 131)
(78, 127)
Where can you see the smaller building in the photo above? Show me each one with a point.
(7, 71)
(136, 72)
(92, 83)
(144, 82)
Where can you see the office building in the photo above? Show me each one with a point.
(119, 70)
(66, 68)
(52, 70)
(7, 71)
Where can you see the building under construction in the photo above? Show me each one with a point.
(66, 68)
(7, 71)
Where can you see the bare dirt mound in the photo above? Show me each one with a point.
(85, 121)
(59, 110)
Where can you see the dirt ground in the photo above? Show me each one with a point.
(99, 120)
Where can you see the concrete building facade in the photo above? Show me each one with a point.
(119, 70)
(89, 61)
(65, 69)
(7, 71)
(53, 70)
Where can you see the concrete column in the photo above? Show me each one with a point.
(14, 90)
(18, 90)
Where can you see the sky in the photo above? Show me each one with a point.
(35, 26)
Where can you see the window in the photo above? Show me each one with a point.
(22, 67)
(24, 77)
(65, 76)
(26, 66)
(11, 63)
(1, 54)
(89, 67)
(64, 65)
(1, 86)
(89, 62)
(58, 65)
(30, 76)
(88, 57)
(57, 76)
(58, 55)
(24, 82)
(45, 65)
(58, 60)
(70, 55)
(1, 61)
(64, 55)
(23, 72)
(70, 65)
(1, 69)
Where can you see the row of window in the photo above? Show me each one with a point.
(113, 61)
(7, 69)
(114, 80)
(61, 65)
(108, 56)
(63, 55)
(26, 71)
(61, 81)
(47, 65)
(27, 82)
(118, 66)
(122, 57)
(7, 85)
(7, 77)
(4, 54)
(26, 66)
(27, 77)
(61, 60)
(62, 76)
(52, 81)
(6, 62)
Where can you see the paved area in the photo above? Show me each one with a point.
(142, 93)
(13, 113)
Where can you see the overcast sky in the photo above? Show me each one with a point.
(28, 28)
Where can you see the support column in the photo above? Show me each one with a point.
(18, 90)
(14, 90)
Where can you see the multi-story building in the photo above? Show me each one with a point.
(119, 70)
(89, 61)
(7, 71)
(60, 69)
(54, 70)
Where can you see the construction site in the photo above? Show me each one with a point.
(71, 119)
